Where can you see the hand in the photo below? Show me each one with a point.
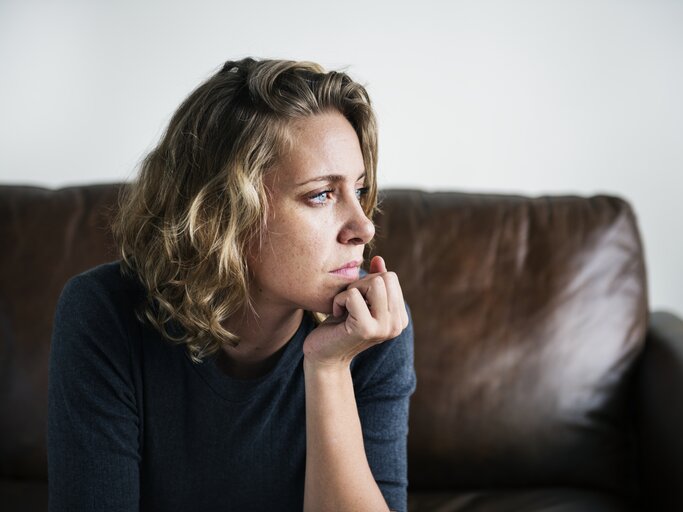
(370, 311)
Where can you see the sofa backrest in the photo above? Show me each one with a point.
(529, 314)
(47, 236)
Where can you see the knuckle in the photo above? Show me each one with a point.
(377, 281)
(365, 332)
(390, 278)
(388, 331)
(354, 293)
(397, 327)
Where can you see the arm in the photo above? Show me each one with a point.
(384, 379)
(92, 420)
(338, 474)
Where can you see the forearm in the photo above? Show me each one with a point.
(338, 476)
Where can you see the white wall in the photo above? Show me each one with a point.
(532, 97)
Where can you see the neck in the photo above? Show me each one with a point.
(262, 341)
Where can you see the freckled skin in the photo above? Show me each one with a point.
(307, 238)
(313, 230)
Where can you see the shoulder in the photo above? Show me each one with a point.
(94, 308)
(106, 280)
(102, 289)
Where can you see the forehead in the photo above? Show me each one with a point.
(320, 145)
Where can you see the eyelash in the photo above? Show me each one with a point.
(311, 198)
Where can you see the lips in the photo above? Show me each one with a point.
(349, 271)
(350, 265)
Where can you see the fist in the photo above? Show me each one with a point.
(370, 311)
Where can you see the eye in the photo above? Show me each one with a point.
(320, 197)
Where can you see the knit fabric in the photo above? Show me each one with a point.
(134, 424)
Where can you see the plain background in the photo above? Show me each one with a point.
(529, 97)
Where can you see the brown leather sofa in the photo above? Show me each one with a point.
(543, 382)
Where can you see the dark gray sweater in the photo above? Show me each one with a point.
(133, 424)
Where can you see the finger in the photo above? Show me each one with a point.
(394, 294)
(377, 264)
(341, 300)
(395, 300)
(373, 289)
(339, 304)
(359, 320)
(375, 294)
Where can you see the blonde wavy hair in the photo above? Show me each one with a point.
(183, 227)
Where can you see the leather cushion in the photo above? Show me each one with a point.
(47, 236)
(529, 314)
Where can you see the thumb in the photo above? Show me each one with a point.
(377, 265)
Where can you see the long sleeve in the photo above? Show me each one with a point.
(93, 425)
(383, 393)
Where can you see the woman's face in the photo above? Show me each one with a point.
(316, 223)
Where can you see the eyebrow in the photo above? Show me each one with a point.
(334, 178)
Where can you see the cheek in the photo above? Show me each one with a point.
(304, 235)
(301, 249)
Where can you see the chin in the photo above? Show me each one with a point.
(319, 304)
(325, 310)
(319, 299)
(324, 307)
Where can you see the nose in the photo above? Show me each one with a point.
(357, 228)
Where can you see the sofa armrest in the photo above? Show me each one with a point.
(660, 412)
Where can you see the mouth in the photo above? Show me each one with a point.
(349, 270)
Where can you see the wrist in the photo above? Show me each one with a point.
(313, 366)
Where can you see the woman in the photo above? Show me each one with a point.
(236, 358)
